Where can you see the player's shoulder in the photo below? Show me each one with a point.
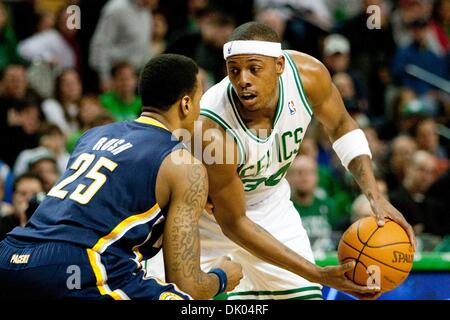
(216, 96)
(315, 76)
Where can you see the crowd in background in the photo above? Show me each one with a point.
(57, 82)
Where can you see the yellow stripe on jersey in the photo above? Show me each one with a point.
(123, 227)
(151, 121)
(138, 253)
(101, 277)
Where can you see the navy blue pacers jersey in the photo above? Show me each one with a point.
(105, 201)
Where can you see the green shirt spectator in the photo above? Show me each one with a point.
(118, 108)
(122, 101)
(312, 203)
(315, 215)
(8, 42)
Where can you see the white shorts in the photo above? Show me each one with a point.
(261, 280)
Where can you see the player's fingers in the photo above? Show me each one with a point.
(346, 267)
(220, 261)
(372, 290)
(379, 216)
(409, 230)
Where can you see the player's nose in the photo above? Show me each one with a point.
(244, 79)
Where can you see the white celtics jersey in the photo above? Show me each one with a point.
(263, 160)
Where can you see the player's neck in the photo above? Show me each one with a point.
(160, 118)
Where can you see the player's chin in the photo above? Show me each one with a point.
(250, 105)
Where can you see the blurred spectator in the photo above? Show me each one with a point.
(315, 11)
(411, 113)
(46, 21)
(160, 27)
(420, 55)
(206, 46)
(440, 25)
(368, 56)
(427, 138)
(122, 101)
(14, 86)
(377, 146)
(327, 181)
(123, 33)
(402, 149)
(56, 46)
(343, 10)
(46, 169)
(63, 109)
(313, 204)
(277, 20)
(406, 12)
(336, 57)
(25, 188)
(90, 109)
(51, 146)
(409, 198)
(7, 178)
(8, 41)
(27, 121)
(346, 87)
(5, 207)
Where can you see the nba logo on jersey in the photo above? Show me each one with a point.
(291, 107)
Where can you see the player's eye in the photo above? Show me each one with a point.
(234, 71)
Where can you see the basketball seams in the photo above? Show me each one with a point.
(383, 263)
(387, 245)
(359, 238)
(364, 245)
(366, 255)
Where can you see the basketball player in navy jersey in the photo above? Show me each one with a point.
(122, 198)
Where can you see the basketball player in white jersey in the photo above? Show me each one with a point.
(265, 104)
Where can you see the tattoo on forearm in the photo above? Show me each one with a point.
(361, 169)
(184, 235)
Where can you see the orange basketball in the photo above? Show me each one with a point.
(383, 255)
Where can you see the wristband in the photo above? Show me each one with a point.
(222, 279)
(351, 145)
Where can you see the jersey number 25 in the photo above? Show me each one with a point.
(83, 194)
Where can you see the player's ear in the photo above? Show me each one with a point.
(279, 65)
(185, 105)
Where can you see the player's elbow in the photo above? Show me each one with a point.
(232, 229)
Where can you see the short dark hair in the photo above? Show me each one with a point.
(254, 31)
(165, 79)
(49, 129)
(27, 176)
(119, 66)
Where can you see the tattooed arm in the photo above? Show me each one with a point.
(331, 113)
(183, 188)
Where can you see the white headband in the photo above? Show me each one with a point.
(264, 48)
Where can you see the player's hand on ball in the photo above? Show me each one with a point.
(334, 276)
(383, 209)
(233, 271)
